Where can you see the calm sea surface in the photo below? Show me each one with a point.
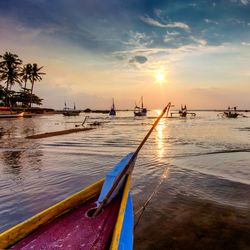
(203, 165)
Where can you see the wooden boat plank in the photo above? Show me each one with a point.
(111, 178)
(116, 239)
(17, 115)
(62, 132)
(127, 237)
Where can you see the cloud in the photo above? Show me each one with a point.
(170, 36)
(245, 44)
(138, 59)
(200, 42)
(210, 21)
(153, 22)
(244, 2)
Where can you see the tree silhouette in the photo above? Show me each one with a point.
(9, 71)
(26, 73)
(35, 76)
(12, 71)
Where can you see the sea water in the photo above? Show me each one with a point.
(195, 173)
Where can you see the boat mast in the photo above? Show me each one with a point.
(125, 169)
(142, 102)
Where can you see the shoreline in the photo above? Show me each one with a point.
(50, 111)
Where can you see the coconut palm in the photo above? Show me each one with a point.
(9, 69)
(35, 76)
(26, 73)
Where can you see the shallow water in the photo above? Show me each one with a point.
(206, 162)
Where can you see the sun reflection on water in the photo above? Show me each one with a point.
(160, 138)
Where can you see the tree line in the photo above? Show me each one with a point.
(12, 71)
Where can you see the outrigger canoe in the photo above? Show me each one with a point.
(70, 225)
(98, 217)
(16, 115)
(71, 113)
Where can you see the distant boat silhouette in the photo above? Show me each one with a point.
(231, 113)
(70, 112)
(183, 111)
(140, 111)
(112, 110)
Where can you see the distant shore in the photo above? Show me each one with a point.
(50, 111)
(199, 110)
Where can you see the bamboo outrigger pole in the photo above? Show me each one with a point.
(130, 162)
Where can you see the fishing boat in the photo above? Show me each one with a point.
(8, 113)
(98, 217)
(12, 115)
(140, 111)
(230, 113)
(55, 227)
(70, 112)
(183, 112)
(112, 110)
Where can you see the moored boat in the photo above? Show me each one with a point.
(112, 110)
(140, 111)
(183, 112)
(98, 217)
(230, 113)
(70, 112)
(12, 115)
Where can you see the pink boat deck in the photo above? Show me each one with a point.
(75, 230)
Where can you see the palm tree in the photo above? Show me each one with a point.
(26, 73)
(9, 71)
(35, 76)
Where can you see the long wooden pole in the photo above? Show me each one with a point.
(129, 163)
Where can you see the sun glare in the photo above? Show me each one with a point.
(160, 78)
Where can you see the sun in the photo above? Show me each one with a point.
(160, 78)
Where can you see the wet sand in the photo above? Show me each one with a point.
(196, 225)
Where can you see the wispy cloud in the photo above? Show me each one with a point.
(153, 22)
(170, 36)
(245, 2)
(245, 44)
(193, 4)
(210, 21)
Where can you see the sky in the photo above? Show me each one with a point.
(185, 52)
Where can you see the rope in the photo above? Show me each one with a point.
(142, 209)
